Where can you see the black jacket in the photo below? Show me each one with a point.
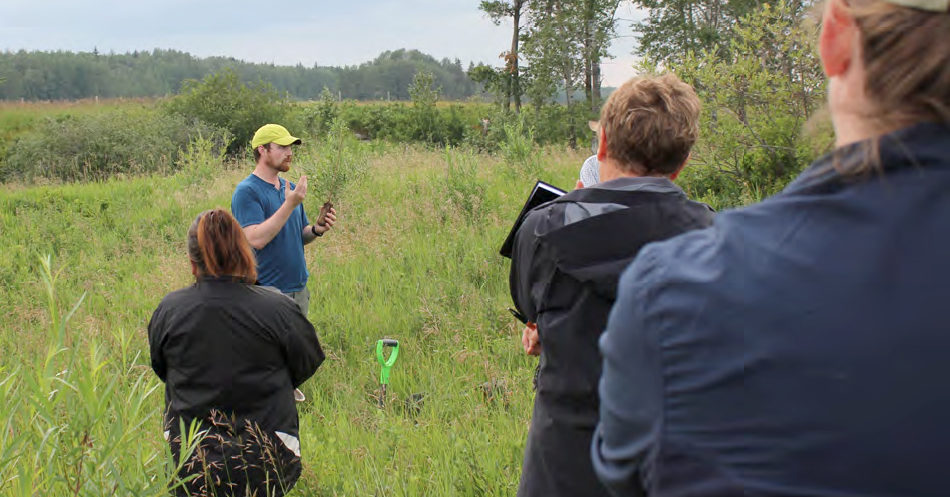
(568, 256)
(230, 355)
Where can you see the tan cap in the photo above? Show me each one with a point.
(934, 5)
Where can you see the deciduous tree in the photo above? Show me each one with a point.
(554, 49)
(498, 10)
(598, 26)
(757, 98)
(675, 28)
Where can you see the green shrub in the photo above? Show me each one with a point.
(756, 102)
(204, 154)
(712, 186)
(452, 124)
(97, 146)
(478, 125)
(376, 121)
(222, 100)
(321, 117)
(465, 191)
(519, 149)
(425, 119)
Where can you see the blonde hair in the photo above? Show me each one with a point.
(651, 124)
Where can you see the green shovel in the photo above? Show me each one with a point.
(386, 364)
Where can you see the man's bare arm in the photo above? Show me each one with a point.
(259, 235)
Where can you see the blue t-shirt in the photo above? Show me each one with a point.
(281, 262)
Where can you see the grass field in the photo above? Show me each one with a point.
(414, 257)
(16, 117)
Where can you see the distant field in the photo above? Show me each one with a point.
(414, 257)
(42, 109)
(18, 117)
(440, 103)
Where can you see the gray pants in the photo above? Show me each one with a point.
(302, 298)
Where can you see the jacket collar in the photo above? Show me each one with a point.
(923, 145)
(218, 279)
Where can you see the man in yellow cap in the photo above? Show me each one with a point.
(270, 209)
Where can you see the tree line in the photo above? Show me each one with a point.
(61, 75)
(752, 62)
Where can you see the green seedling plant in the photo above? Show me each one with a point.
(333, 166)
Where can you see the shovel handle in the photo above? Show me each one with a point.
(386, 363)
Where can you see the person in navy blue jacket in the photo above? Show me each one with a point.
(798, 346)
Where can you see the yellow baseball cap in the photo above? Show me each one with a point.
(273, 133)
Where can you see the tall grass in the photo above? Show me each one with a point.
(76, 416)
(405, 261)
(519, 149)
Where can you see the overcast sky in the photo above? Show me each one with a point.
(307, 32)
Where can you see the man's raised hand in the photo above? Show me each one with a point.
(298, 193)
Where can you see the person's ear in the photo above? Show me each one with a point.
(837, 39)
(194, 269)
(602, 145)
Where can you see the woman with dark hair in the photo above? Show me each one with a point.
(231, 354)
(799, 347)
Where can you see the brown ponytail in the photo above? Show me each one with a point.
(218, 247)
(906, 57)
(906, 54)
